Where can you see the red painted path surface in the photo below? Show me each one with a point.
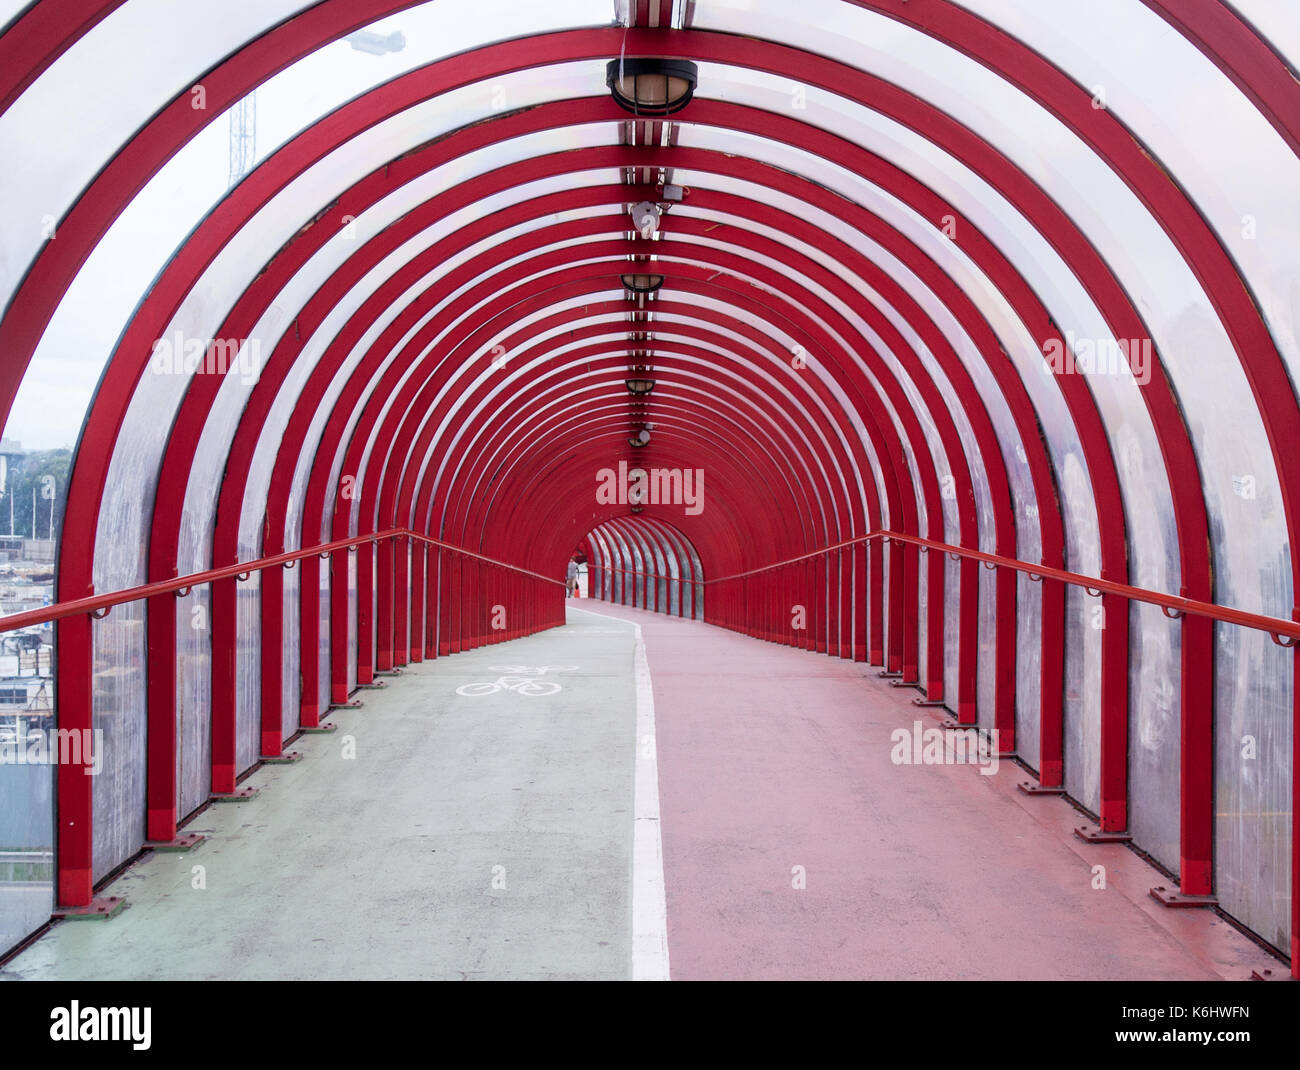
(772, 758)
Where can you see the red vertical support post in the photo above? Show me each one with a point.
(822, 601)
(468, 596)
(516, 600)
(1196, 827)
(74, 842)
(340, 612)
(936, 587)
(844, 566)
(811, 603)
(497, 606)
(449, 639)
(476, 604)
(514, 606)
(271, 612)
(160, 681)
(778, 618)
(1051, 731)
(774, 596)
(225, 608)
(754, 604)
(832, 603)
(385, 551)
(401, 600)
(309, 704)
(792, 587)
(365, 613)
(764, 581)
(911, 556)
(1295, 825)
(876, 613)
(433, 602)
(1114, 713)
(457, 603)
(774, 612)
(1004, 659)
(860, 602)
(762, 606)
(418, 554)
(968, 626)
(511, 601)
(894, 660)
(788, 600)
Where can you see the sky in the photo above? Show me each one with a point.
(51, 404)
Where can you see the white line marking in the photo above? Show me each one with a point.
(649, 901)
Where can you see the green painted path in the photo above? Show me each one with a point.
(479, 836)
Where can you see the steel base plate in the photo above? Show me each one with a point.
(182, 843)
(99, 909)
(1171, 897)
(242, 795)
(1028, 787)
(1091, 835)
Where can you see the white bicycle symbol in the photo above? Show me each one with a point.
(521, 679)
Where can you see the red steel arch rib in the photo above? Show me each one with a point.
(413, 477)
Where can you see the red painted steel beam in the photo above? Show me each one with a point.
(40, 35)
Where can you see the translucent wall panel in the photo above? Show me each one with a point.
(98, 119)
(290, 684)
(352, 623)
(26, 849)
(248, 673)
(1205, 373)
(1279, 23)
(1229, 159)
(323, 651)
(118, 684)
(1252, 761)
(194, 699)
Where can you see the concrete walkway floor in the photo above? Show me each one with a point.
(479, 835)
(772, 758)
(489, 833)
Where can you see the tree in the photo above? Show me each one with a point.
(46, 473)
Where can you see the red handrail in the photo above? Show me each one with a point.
(95, 603)
(1274, 626)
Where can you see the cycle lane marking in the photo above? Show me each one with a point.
(649, 899)
(518, 678)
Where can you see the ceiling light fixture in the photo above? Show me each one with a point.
(651, 87)
(641, 283)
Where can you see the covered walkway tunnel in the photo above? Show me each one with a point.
(953, 341)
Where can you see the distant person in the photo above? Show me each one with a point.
(571, 577)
